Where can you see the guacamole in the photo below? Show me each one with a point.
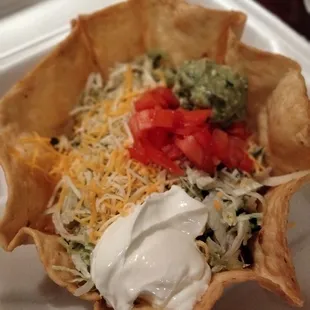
(204, 84)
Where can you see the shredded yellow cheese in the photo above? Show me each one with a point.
(258, 165)
(95, 167)
(217, 205)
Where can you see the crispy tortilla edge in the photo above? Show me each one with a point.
(51, 253)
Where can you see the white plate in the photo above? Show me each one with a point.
(28, 34)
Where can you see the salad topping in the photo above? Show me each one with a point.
(134, 136)
(163, 133)
(151, 254)
(204, 84)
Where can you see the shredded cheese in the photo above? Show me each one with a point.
(217, 205)
(95, 166)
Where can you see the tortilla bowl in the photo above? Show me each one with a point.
(277, 112)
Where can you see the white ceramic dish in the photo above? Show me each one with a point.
(31, 32)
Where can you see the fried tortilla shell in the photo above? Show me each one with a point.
(180, 29)
(186, 31)
(51, 253)
(214, 292)
(264, 71)
(285, 126)
(28, 192)
(115, 34)
(278, 107)
(42, 100)
(272, 259)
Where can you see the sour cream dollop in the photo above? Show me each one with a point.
(152, 254)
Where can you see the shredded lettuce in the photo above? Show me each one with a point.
(80, 253)
(81, 272)
(83, 250)
(232, 202)
(201, 179)
(215, 222)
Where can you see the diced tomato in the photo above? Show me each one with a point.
(237, 142)
(239, 130)
(204, 138)
(168, 96)
(191, 149)
(220, 143)
(138, 153)
(215, 161)
(165, 119)
(147, 101)
(160, 158)
(158, 97)
(159, 137)
(235, 154)
(246, 164)
(140, 122)
(189, 130)
(134, 127)
(179, 119)
(172, 151)
(196, 117)
(163, 133)
(210, 163)
(195, 153)
(153, 118)
(145, 119)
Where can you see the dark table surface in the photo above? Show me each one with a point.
(293, 12)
